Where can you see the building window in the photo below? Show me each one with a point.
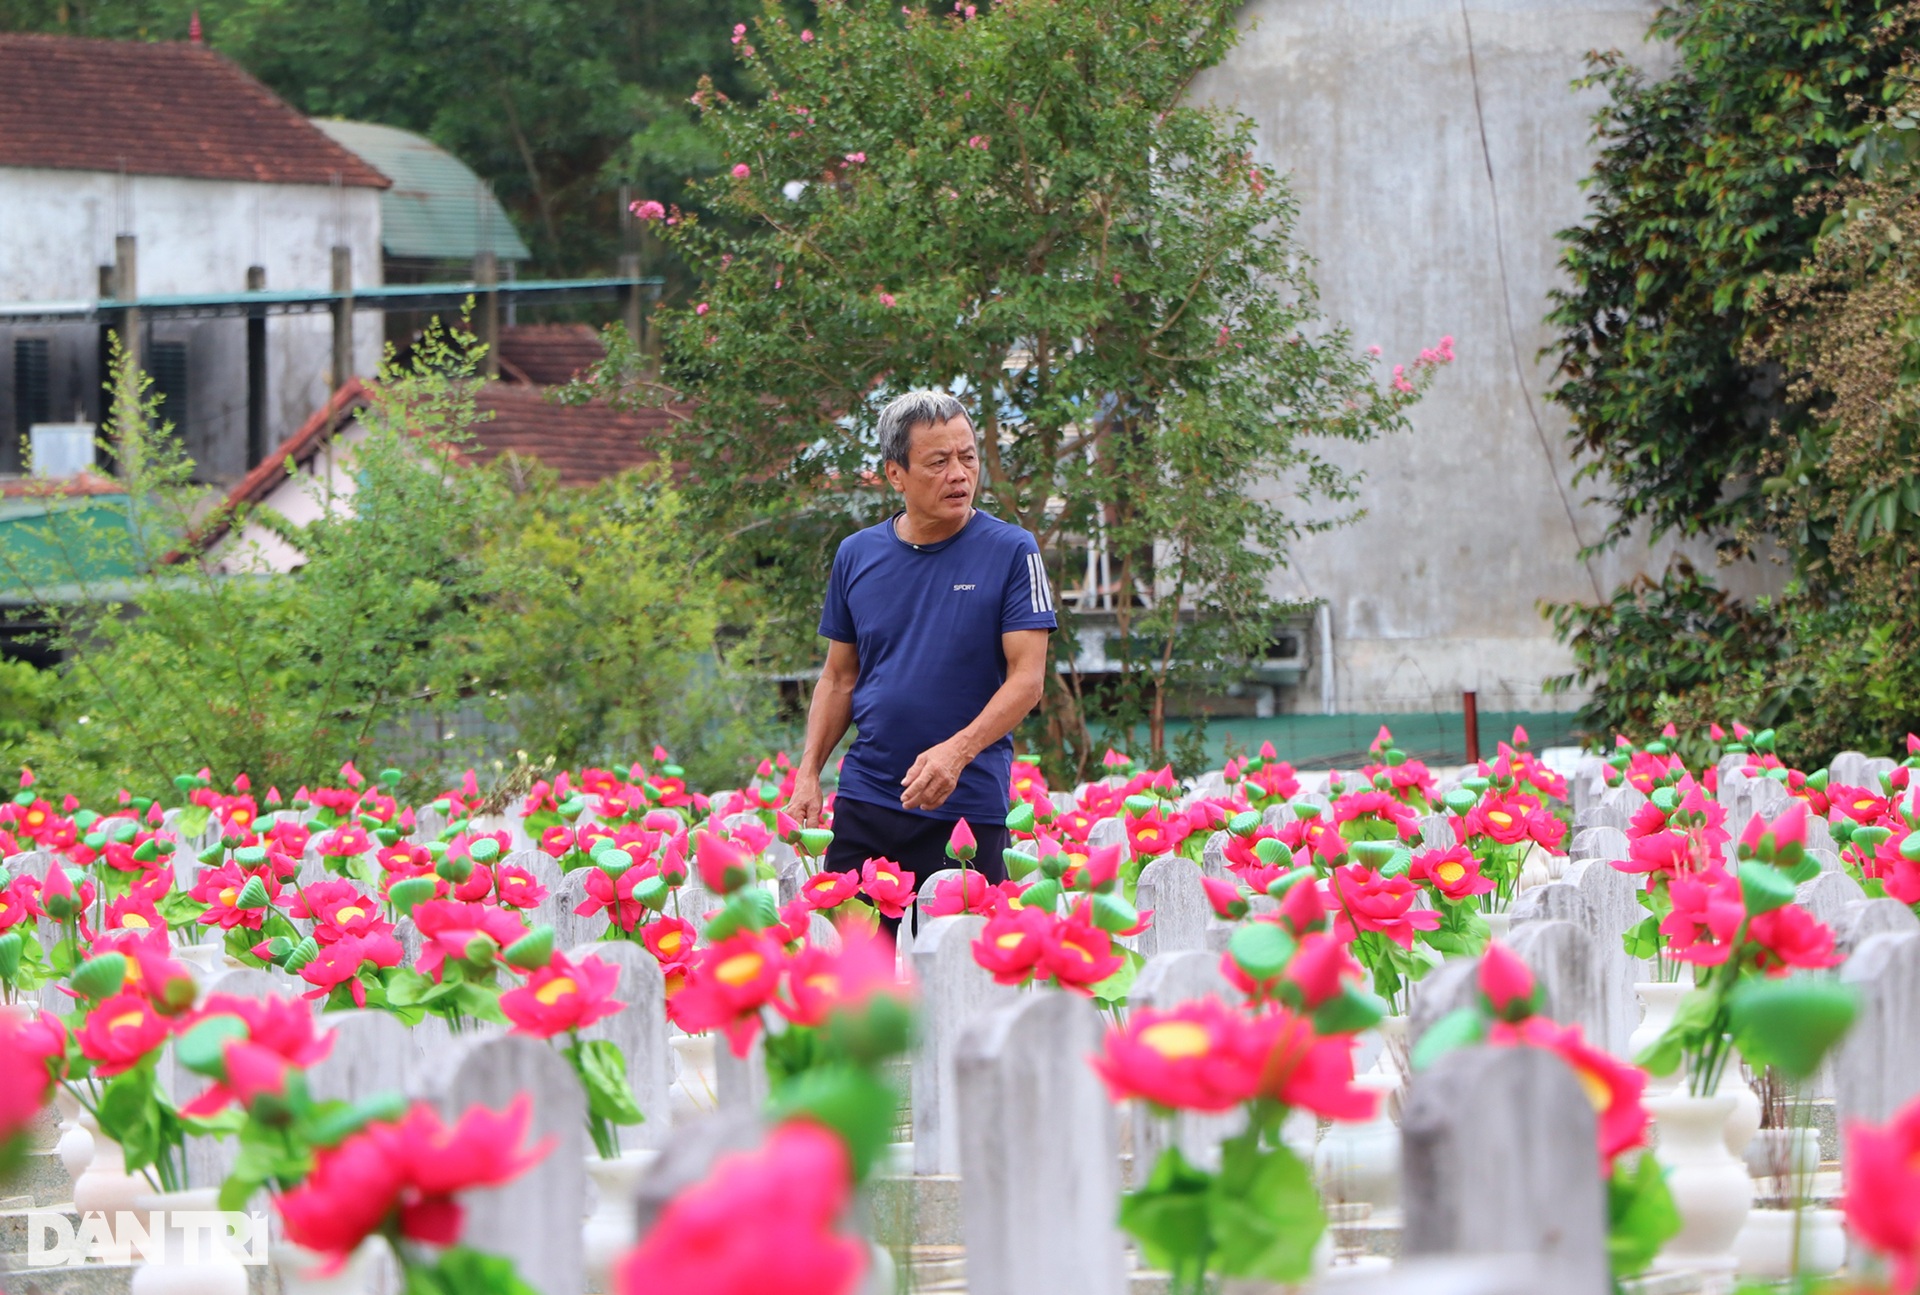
(32, 395)
(167, 366)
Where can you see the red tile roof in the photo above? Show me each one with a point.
(549, 354)
(582, 444)
(156, 108)
(80, 485)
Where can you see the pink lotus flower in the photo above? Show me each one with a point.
(727, 986)
(888, 885)
(762, 1221)
(1506, 981)
(966, 893)
(563, 996)
(724, 866)
(408, 1173)
(821, 981)
(119, 1033)
(280, 1036)
(1371, 902)
(828, 890)
(341, 962)
(1882, 1200)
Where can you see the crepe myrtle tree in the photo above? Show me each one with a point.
(1018, 202)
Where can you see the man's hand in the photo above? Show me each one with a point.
(804, 808)
(935, 774)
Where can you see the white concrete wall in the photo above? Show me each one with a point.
(199, 236)
(1435, 146)
(325, 485)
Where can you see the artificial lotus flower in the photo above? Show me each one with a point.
(1790, 937)
(515, 887)
(151, 970)
(796, 922)
(27, 1047)
(1309, 1071)
(1153, 834)
(1011, 943)
(888, 885)
(1274, 780)
(1198, 1056)
(726, 987)
(1454, 872)
(1882, 1197)
(341, 962)
(405, 1177)
(221, 888)
(17, 902)
(1078, 954)
(1369, 902)
(1225, 898)
(961, 843)
(1303, 908)
(828, 890)
(120, 1032)
(615, 894)
(563, 996)
(1319, 969)
(1503, 818)
(337, 909)
(1359, 806)
(280, 1036)
(762, 1221)
(344, 843)
(724, 866)
(1613, 1086)
(134, 912)
(823, 981)
(1506, 982)
(968, 892)
(448, 929)
(670, 941)
(1706, 916)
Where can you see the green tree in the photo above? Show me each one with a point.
(1019, 203)
(1703, 186)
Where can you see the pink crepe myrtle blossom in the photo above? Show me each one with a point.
(649, 209)
(741, 170)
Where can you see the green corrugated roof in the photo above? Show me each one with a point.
(437, 208)
(49, 544)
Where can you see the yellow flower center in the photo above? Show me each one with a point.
(1500, 818)
(670, 942)
(1079, 950)
(135, 920)
(1863, 804)
(1449, 873)
(228, 896)
(127, 1020)
(35, 818)
(555, 990)
(1595, 1088)
(348, 913)
(1011, 941)
(739, 969)
(891, 878)
(1177, 1040)
(824, 983)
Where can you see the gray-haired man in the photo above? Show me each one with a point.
(937, 621)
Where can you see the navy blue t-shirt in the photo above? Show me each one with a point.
(926, 622)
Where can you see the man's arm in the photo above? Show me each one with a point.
(828, 718)
(937, 771)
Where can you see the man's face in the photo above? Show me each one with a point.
(943, 468)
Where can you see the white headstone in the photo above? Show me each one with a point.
(372, 1053)
(1828, 895)
(535, 1219)
(1436, 832)
(1600, 843)
(1106, 832)
(1213, 856)
(742, 1081)
(1170, 887)
(1500, 1158)
(1167, 980)
(639, 1030)
(954, 989)
(1866, 918)
(545, 870)
(570, 928)
(1040, 1170)
(925, 895)
(210, 1160)
(1567, 966)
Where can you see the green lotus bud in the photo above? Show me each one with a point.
(1261, 949)
(1461, 801)
(1113, 913)
(1043, 895)
(672, 771)
(253, 895)
(10, 948)
(251, 856)
(1910, 848)
(1138, 805)
(1020, 864)
(391, 777)
(1245, 823)
(386, 836)
(1053, 866)
(99, 977)
(1305, 811)
(1020, 818)
(94, 840)
(532, 950)
(1272, 852)
(404, 894)
(456, 868)
(613, 861)
(1665, 799)
(815, 840)
(212, 855)
(571, 808)
(484, 850)
(123, 830)
(1375, 854)
(653, 893)
(147, 851)
(203, 1048)
(1656, 747)
(186, 782)
(301, 954)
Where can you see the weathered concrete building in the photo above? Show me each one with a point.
(1435, 146)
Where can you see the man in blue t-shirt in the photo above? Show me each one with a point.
(937, 621)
